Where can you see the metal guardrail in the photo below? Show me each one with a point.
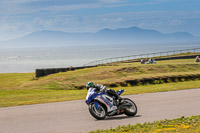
(140, 56)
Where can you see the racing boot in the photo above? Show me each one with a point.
(120, 100)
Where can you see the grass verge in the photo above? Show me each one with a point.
(36, 96)
(180, 125)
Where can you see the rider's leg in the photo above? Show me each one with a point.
(113, 93)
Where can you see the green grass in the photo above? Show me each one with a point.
(36, 96)
(14, 80)
(23, 88)
(25, 97)
(180, 125)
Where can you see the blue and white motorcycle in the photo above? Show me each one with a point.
(101, 104)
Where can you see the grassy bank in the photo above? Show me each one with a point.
(23, 89)
(101, 75)
(180, 125)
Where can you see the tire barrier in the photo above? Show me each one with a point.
(48, 71)
(155, 80)
(152, 80)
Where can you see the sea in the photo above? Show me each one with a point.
(23, 60)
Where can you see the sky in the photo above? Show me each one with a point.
(22, 17)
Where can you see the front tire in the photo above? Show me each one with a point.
(99, 114)
(130, 110)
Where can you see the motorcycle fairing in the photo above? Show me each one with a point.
(102, 98)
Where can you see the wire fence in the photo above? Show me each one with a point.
(140, 56)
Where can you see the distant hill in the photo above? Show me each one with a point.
(130, 35)
(144, 35)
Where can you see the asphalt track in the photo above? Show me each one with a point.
(73, 116)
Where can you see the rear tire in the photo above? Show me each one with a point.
(132, 110)
(99, 114)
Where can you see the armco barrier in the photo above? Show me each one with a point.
(163, 58)
(109, 61)
(155, 80)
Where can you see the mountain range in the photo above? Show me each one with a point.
(131, 35)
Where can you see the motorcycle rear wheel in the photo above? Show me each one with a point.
(132, 110)
(99, 114)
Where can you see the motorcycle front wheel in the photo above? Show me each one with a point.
(99, 114)
(131, 109)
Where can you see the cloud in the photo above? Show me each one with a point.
(99, 4)
(94, 22)
(111, 22)
(7, 27)
(110, 1)
(154, 24)
(12, 7)
(175, 23)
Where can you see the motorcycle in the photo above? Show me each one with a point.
(101, 105)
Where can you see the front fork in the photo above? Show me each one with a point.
(96, 105)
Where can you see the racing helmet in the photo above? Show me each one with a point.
(89, 85)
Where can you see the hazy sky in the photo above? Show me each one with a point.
(20, 17)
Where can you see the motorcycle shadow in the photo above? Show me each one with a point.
(121, 117)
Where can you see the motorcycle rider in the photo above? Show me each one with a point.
(102, 88)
